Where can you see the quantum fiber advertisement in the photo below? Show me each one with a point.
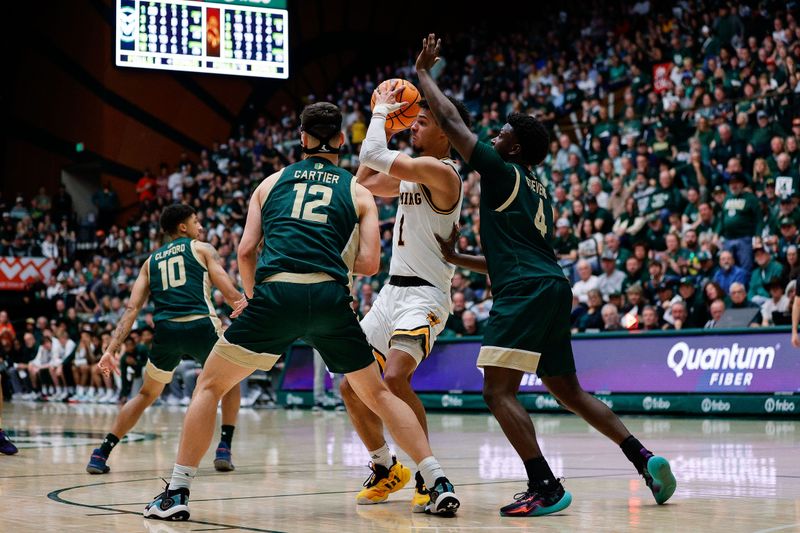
(733, 363)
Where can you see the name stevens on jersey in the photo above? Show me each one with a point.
(177, 249)
(315, 175)
(537, 187)
(410, 198)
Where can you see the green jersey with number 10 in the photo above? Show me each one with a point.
(516, 221)
(179, 282)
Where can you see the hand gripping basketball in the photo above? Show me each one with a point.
(386, 99)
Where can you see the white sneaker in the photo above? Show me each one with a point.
(185, 400)
(172, 400)
(251, 399)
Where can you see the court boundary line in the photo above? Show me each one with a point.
(56, 497)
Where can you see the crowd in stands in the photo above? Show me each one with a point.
(672, 170)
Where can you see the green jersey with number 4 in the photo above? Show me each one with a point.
(516, 221)
(310, 222)
(179, 282)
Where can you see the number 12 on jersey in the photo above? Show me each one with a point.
(307, 212)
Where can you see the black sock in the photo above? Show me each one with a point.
(226, 435)
(539, 474)
(108, 444)
(636, 453)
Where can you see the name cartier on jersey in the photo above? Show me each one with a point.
(179, 248)
(316, 175)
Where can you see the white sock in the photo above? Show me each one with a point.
(431, 470)
(182, 477)
(382, 456)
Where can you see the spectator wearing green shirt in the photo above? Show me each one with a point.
(605, 127)
(565, 246)
(776, 147)
(766, 130)
(786, 176)
(741, 219)
(640, 85)
(766, 270)
(661, 146)
(725, 147)
(666, 196)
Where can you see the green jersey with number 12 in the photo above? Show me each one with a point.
(310, 222)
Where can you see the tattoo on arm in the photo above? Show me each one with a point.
(123, 328)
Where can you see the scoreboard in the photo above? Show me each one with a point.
(238, 37)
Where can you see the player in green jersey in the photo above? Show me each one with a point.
(177, 278)
(318, 225)
(529, 324)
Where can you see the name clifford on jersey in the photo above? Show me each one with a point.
(316, 175)
(173, 250)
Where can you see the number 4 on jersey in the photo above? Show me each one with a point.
(539, 221)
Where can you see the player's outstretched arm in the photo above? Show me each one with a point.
(139, 295)
(220, 279)
(378, 183)
(476, 263)
(462, 139)
(248, 245)
(368, 260)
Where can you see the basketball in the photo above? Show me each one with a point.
(402, 119)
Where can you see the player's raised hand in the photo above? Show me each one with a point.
(430, 52)
(386, 99)
(448, 246)
(240, 306)
(108, 363)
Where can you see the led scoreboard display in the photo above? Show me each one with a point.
(239, 37)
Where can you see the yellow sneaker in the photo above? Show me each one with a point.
(383, 482)
(421, 497)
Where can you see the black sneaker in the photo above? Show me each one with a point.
(443, 498)
(536, 501)
(169, 505)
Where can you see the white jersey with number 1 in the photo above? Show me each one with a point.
(415, 251)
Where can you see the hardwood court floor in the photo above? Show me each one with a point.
(300, 471)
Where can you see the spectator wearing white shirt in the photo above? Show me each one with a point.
(611, 280)
(49, 247)
(586, 281)
(62, 349)
(39, 367)
(778, 301)
(717, 310)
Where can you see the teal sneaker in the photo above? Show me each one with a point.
(169, 505)
(658, 476)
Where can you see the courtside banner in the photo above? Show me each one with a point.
(16, 273)
(638, 363)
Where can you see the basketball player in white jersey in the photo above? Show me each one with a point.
(412, 308)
